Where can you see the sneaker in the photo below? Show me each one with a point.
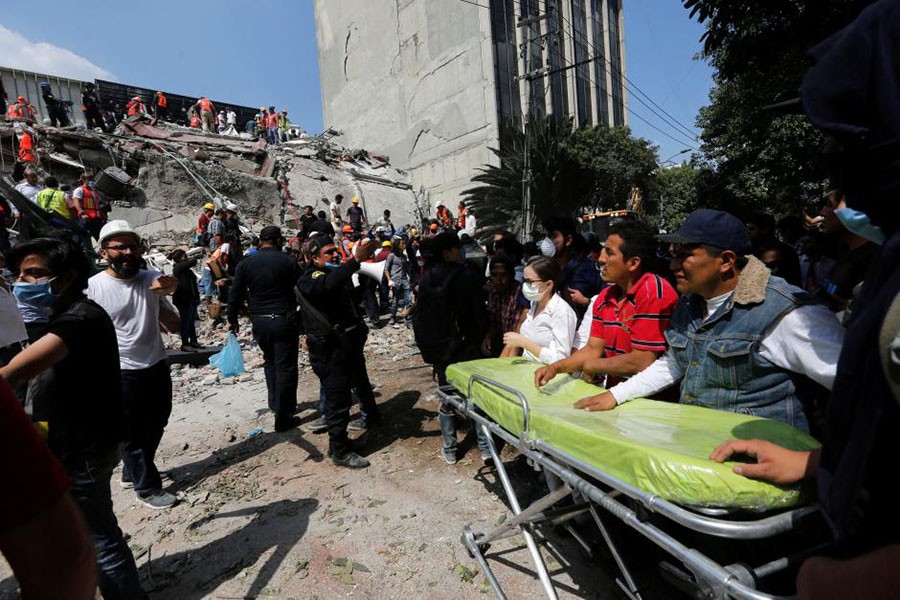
(158, 499)
(286, 425)
(316, 426)
(449, 456)
(486, 457)
(127, 484)
(396, 325)
(359, 424)
(187, 348)
(351, 460)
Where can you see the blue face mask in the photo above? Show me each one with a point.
(37, 295)
(858, 222)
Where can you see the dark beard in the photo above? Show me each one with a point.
(125, 267)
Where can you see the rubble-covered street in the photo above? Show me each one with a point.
(263, 514)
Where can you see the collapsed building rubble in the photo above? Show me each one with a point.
(174, 170)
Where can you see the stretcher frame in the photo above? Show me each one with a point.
(704, 577)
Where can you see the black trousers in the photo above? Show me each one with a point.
(279, 341)
(340, 365)
(147, 396)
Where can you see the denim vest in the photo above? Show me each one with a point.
(720, 357)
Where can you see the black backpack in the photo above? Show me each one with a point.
(434, 321)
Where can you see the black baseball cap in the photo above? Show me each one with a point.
(270, 233)
(712, 228)
(315, 244)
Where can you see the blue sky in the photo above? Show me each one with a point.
(264, 53)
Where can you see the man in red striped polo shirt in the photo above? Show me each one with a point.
(629, 315)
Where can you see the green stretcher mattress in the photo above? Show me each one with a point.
(659, 447)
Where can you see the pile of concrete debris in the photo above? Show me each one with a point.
(174, 170)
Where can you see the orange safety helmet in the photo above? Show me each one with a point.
(347, 229)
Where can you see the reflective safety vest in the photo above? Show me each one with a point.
(461, 218)
(160, 100)
(90, 207)
(26, 148)
(205, 104)
(20, 110)
(135, 107)
(195, 120)
(55, 201)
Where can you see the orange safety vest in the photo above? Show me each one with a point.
(26, 148)
(461, 219)
(160, 100)
(195, 120)
(90, 208)
(444, 217)
(135, 107)
(205, 104)
(11, 111)
(21, 110)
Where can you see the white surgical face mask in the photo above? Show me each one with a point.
(532, 291)
(548, 248)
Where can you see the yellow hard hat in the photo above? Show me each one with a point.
(386, 244)
(209, 206)
(355, 201)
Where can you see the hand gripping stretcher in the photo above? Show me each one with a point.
(645, 463)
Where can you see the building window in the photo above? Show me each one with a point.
(506, 60)
(615, 59)
(599, 64)
(582, 68)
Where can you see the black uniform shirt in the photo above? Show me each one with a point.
(330, 291)
(270, 276)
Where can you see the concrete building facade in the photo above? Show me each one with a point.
(428, 82)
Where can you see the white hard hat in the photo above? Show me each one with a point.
(114, 228)
(231, 206)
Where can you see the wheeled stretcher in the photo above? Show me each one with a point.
(645, 463)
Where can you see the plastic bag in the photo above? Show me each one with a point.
(231, 359)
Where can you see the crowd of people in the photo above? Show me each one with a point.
(796, 320)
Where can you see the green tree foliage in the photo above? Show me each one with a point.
(617, 161)
(571, 170)
(676, 194)
(758, 157)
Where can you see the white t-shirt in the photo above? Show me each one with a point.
(28, 190)
(584, 330)
(12, 328)
(553, 330)
(134, 311)
(231, 117)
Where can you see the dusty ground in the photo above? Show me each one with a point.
(266, 515)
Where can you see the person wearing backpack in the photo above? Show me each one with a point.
(449, 321)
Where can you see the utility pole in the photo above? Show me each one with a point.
(528, 76)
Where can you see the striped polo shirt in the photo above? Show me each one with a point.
(636, 320)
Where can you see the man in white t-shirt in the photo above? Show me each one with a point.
(134, 300)
(29, 187)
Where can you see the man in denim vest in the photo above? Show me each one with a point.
(740, 338)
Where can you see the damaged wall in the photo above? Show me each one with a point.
(412, 79)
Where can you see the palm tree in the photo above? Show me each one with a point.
(559, 183)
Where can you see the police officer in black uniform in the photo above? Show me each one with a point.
(270, 276)
(335, 336)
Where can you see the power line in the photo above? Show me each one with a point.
(675, 123)
(473, 3)
(564, 60)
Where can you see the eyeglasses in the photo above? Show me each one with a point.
(533, 281)
(123, 248)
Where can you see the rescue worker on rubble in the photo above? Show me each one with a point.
(56, 109)
(161, 106)
(90, 106)
(26, 144)
(135, 107)
(335, 337)
(22, 109)
(260, 121)
(207, 113)
(90, 207)
(52, 199)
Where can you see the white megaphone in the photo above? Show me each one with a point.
(373, 270)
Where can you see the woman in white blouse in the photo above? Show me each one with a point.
(549, 329)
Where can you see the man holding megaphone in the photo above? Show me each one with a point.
(335, 336)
